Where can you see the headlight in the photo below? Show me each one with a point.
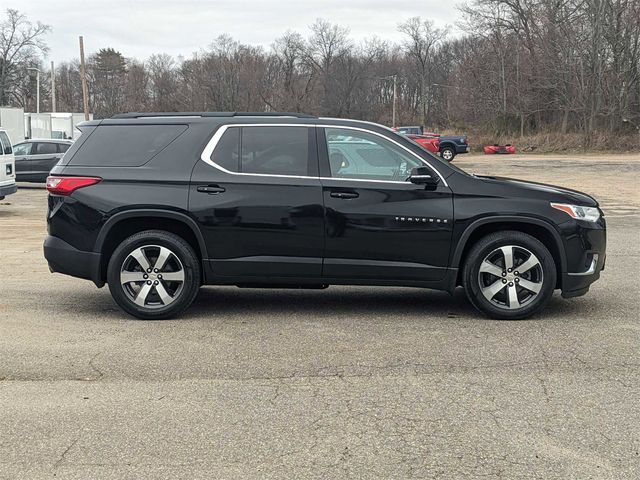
(589, 214)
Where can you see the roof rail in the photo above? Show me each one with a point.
(212, 114)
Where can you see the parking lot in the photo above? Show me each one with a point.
(349, 382)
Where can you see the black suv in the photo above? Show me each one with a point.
(157, 205)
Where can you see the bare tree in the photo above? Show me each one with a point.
(163, 83)
(20, 44)
(327, 44)
(290, 80)
(523, 66)
(423, 41)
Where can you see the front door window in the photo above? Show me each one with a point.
(22, 149)
(365, 156)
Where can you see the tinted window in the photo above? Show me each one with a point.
(125, 146)
(226, 152)
(275, 150)
(5, 143)
(355, 154)
(82, 135)
(45, 149)
(63, 147)
(22, 149)
(410, 131)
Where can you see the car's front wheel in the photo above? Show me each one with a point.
(154, 275)
(509, 275)
(447, 153)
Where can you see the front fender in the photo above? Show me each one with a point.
(456, 257)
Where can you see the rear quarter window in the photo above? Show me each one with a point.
(125, 145)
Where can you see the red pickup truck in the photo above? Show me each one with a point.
(450, 145)
(432, 144)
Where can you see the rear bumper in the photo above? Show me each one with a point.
(68, 260)
(8, 190)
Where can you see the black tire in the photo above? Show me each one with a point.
(526, 250)
(181, 262)
(448, 153)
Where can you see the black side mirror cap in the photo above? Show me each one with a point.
(423, 176)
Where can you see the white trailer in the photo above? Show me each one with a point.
(38, 125)
(12, 120)
(78, 118)
(62, 125)
(53, 125)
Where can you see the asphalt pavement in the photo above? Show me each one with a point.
(348, 382)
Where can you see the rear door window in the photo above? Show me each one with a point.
(44, 148)
(125, 145)
(227, 152)
(273, 150)
(63, 147)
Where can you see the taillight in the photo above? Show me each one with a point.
(68, 185)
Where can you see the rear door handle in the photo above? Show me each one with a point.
(210, 189)
(345, 195)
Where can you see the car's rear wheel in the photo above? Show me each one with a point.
(447, 153)
(154, 275)
(509, 275)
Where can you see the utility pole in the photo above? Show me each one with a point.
(393, 77)
(37, 70)
(53, 87)
(83, 77)
(395, 92)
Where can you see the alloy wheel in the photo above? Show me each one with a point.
(447, 155)
(152, 276)
(510, 277)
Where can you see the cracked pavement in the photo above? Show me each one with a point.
(349, 382)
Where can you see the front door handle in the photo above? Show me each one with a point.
(211, 189)
(345, 195)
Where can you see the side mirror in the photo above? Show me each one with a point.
(423, 176)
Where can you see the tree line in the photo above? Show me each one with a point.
(521, 67)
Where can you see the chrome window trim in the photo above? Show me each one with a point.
(379, 125)
(205, 156)
(213, 143)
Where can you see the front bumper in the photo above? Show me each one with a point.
(577, 284)
(8, 189)
(585, 247)
(68, 260)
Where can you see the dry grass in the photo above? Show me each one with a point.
(554, 142)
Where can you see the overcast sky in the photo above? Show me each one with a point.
(139, 28)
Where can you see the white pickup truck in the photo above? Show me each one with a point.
(7, 167)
